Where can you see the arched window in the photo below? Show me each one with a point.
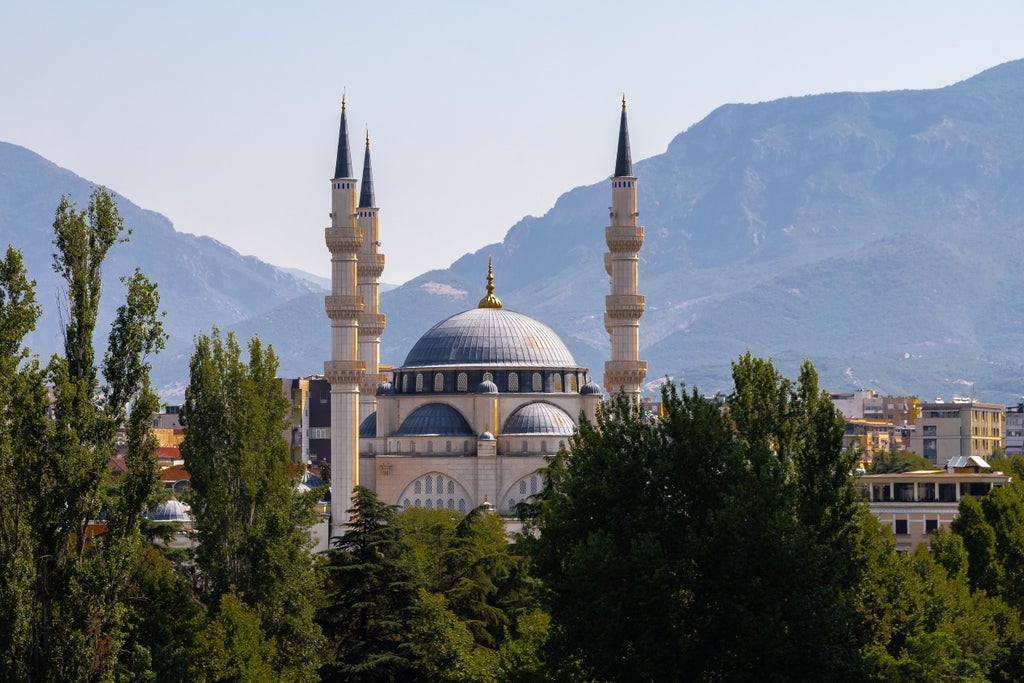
(405, 504)
(561, 445)
(405, 384)
(462, 505)
(488, 377)
(451, 486)
(558, 382)
(440, 484)
(417, 488)
(462, 383)
(508, 447)
(439, 382)
(465, 446)
(451, 503)
(522, 487)
(447, 446)
(513, 381)
(418, 503)
(543, 446)
(524, 447)
(440, 504)
(538, 382)
(533, 484)
(573, 387)
(398, 447)
(412, 446)
(430, 447)
(419, 382)
(430, 504)
(429, 485)
(369, 448)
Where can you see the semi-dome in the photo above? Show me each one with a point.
(490, 336)
(368, 427)
(540, 418)
(435, 419)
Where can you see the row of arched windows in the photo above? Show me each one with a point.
(448, 448)
(439, 504)
(559, 382)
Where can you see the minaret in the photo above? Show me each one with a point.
(624, 371)
(371, 265)
(344, 305)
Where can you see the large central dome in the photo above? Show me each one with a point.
(490, 336)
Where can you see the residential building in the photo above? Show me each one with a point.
(963, 427)
(1013, 430)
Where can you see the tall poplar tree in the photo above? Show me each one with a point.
(251, 524)
(70, 532)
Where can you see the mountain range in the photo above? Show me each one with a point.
(877, 234)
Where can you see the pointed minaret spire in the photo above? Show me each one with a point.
(343, 167)
(366, 187)
(623, 163)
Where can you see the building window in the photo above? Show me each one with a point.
(901, 527)
(513, 381)
(533, 484)
(488, 377)
(538, 382)
(412, 446)
(451, 486)
(447, 446)
(451, 503)
(930, 525)
(369, 448)
(440, 484)
(522, 487)
(558, 382)
(439, 382)
(417, 488)
(561, 445)
(405, 384)
(524, 447)
(573, 387)
(462, 383)
(406, 504)
(430, 504)
(430, 447)
(462, 505)
(543, 446)
(419, 382)
(418, 503)
(465, 446)
(930, 449)
(928, 430)
(429, 485)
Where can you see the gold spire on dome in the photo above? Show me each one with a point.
(490, 301)
(623, 101)
(367, 138)
(342, 101)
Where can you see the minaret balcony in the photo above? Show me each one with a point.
(343, 306)
(370, 265)
(624, 238)
(344, 371)
(370, 381)
(343, 240)
(371, 324)
(624, 373)
(624, 307)
(608, 264)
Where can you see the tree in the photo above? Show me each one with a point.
(371, 595)
(885, 462)
(251, 524)
(712, 542)
(69, 533)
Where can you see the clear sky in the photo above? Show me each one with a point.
(223, 116)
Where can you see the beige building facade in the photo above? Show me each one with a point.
(947, 430)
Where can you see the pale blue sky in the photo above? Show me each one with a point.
(223, 115)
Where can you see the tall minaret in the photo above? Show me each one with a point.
(624, 371)
(371, 265)
(344, 305)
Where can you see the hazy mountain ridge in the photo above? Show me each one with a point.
(843, 227)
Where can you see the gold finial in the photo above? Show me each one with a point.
(342, 101)
(490, 301)
(623, 101)
(367, 138)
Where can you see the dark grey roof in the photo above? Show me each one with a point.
(343, 166)
(435, 419)
(590, 388)
(539, 418)
(490, 336)
(368, 427)
(366, 184)
(623, 163)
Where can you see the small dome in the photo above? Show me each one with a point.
(171, 511)
(368, 427)
(309, 482)
(590, 387)
(540, 418)
(435, 419)
(487, 387)
(486, 436)
(385, 389)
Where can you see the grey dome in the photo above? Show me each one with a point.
(486, 436)
(310, 481)
(435, 419)
(590, 388)
(540, 418)
(487, 387)
(490, 336)
(171, 511)
(385, 389)
(368, 427)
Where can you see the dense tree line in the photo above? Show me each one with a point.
(721, 539)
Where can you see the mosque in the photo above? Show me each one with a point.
(484, 397)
